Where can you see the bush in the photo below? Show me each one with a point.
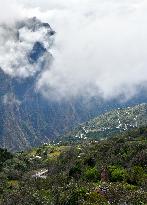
(4, 155)
(92, 174)
(75, 171)
(136, 175)
(90, 162)
(96, 198)
(117, 174)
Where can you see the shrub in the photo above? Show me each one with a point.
(117, 174)
(96, 198)
(136, 175)
(75, 172)
(92, 174)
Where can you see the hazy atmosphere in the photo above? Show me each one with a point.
(73, 102)
(99, 47)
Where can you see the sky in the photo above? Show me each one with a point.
(99, 48)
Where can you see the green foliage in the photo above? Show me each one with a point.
(117, 174)
(4, 155)
(110, 124)
(75, 173)
(136, 175)
(91, 174)
(96, 198)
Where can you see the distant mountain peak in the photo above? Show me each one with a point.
(23, 45)
(34, 24)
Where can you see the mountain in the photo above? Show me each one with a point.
(27, 118)
(110, 123)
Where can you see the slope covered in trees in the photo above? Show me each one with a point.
(112, 171)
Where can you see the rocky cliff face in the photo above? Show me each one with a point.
(28, 119)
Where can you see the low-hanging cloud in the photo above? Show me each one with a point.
(10, 11)
(99, 49)
(19, 43)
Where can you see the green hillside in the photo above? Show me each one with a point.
(112, 171)
(108, 124)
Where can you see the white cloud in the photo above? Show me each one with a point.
(10, 11)
(16, 46)
(100, 46)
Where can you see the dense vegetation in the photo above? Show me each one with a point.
(112, 171)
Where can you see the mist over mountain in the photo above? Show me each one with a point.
(73, 102)
(25, 47)
(67, 64)
(99, 48)
(29, 117)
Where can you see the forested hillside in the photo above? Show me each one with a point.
(112, 171)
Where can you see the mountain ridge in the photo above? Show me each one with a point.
(110, 123)
(27, 118)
